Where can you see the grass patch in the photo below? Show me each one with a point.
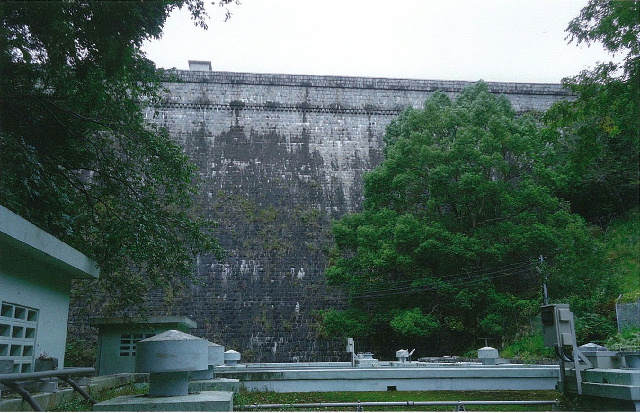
(574, 403)
(529, 349)
(81, 405)
(246, 398)
(627, 340)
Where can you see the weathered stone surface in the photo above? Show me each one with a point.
(282, 155)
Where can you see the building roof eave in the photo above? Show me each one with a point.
(21, 236)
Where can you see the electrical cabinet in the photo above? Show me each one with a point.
(350, 346)
(559, 331)
(557, 325)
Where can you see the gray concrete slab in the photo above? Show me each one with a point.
(621, 384)
(232, 385)
(520, 377)
(199, 402)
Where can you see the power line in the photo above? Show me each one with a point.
(399, 287)
(433, 287)
(471, 273)
(468, 279)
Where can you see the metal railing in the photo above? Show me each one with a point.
(13, 382)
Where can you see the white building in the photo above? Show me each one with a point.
(36, 270)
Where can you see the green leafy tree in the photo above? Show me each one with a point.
(76, 155)
(597, 136)
(413, 323)
(453, 219)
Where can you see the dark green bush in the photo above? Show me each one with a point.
(80, 352)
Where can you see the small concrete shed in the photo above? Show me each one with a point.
(117, 338)
(36, 270)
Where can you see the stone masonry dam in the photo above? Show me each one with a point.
(282, 156)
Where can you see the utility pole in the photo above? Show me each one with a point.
(543, 274)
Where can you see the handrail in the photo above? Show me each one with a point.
(12, 380)
(73, 371)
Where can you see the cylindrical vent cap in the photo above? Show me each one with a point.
(171, 351)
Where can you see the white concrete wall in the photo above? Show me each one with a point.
(31, 284)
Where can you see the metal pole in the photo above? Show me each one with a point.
(563, 375)
(576, 357)
(545, 292)
(618, 313)
(79, 389)
(75, 371)
(10, 379)
(26, 396)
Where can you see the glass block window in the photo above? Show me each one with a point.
(18, 327)
(128, 343)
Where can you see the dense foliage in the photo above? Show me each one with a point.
(76, 155)
(469, 196)
(597, 136)
(454, 221)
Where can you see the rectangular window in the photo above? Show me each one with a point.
(128, 343)
(18, 327)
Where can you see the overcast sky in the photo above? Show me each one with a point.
(497, 40)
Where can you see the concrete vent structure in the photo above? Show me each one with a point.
(215, 358)
(200, 65)
(488, 355)
(366, 360)
(402, 355)
(231, 357)
(601, 357)
(169, 357)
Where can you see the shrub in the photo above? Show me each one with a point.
(627, 340)
(529, 349)
(80, 352)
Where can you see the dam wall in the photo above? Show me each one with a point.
(282, 156)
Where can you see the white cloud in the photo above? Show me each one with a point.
(521, 41)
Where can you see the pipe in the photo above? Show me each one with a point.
(79, 389)
(74, 371)
(26, 396)
(561, 354)
(10, 380)
(407, 403)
